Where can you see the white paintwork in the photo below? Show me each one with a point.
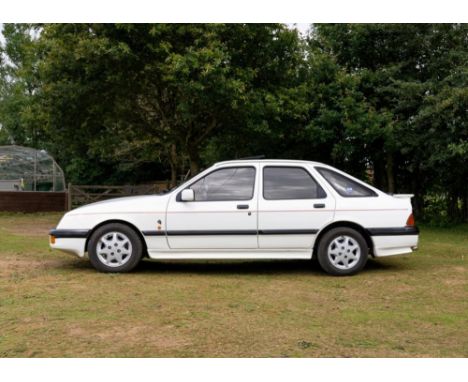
(164, 212)
(394, 245)
(73, 246)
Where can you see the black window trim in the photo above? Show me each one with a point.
(324, 193)
(373, 193)
(179, 195)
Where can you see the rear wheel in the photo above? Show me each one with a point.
(342, 251)
(115, 247)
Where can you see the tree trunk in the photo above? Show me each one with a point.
(390, 174)
(173, 163)
(452, 206)
(194, 159)
(379, 174)
(464, 211)
(418, 201)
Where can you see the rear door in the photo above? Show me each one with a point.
(293, 206)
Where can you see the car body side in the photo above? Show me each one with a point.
(261, 232)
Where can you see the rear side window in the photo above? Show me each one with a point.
(343, 185)
(290, 183)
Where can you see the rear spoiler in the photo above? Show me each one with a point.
(402, 196)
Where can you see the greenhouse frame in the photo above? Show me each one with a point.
(29, 169)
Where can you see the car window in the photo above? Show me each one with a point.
(234, 183)
(290, 183)
(344, 185)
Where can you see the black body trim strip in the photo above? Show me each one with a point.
(233, 232)
(393, 231)
(210, 233)
(69, 233)
(154, 233)
(288, 231)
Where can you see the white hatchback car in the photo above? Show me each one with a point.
(246, 209)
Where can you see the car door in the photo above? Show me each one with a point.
(223, 214)
(293, 206)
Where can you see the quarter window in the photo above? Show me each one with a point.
(344, 185)
(233, 183)
(290, 183)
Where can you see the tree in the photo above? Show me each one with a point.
(161, 92)
(122, 103)
(402, 67)
(20, 117)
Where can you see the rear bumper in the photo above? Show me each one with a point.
(393, 231)
(394, 241)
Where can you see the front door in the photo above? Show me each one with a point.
(292, 208)
(223, 215)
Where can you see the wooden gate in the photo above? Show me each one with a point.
(80, 195)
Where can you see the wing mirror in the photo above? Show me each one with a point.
(188, 195)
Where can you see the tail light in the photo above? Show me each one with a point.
(410, 220)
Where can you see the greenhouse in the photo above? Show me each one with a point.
(28, 169)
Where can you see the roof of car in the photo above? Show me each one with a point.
(273, 161)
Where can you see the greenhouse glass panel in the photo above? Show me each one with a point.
(28, 169)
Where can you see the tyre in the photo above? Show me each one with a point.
(342, 251)
(115, 247)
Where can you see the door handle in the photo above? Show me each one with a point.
(242, 206)
(319, 205)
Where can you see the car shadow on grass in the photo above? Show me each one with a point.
(216, 267)
(230, 267)
(305, 267)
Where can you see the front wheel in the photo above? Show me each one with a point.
(115, 247)
(342, 251)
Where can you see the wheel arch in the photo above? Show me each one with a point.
(130, 225)
(344, 223)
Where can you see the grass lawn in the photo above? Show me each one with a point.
(53, 304)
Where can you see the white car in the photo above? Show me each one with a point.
(246, 209)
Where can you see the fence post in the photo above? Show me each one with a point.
(69, 197)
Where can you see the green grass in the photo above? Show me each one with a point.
(53, 304)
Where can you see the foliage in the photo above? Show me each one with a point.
(415, 78)
(19, 116)
(128, 103)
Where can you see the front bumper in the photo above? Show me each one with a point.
(70, 241)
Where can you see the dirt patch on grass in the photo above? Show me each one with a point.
(30, 229)
(23, 268)
(29, 224)
(15, 263)
(128, 335)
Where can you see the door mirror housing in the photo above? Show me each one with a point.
(188, 195)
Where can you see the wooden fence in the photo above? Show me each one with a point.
(32, 201)
(80, 195)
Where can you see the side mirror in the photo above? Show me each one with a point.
(187, 195)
